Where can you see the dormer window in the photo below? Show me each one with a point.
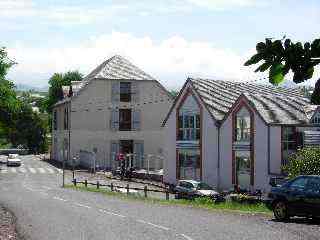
(316, 118)
(125, 92)
(243, 125)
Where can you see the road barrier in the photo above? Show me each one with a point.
(127, 188)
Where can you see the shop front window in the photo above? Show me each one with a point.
(189, 164)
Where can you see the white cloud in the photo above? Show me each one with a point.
(225, 4)
(171, 60)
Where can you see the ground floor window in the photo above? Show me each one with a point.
(189, 164)
(243, 168)
(289, 143)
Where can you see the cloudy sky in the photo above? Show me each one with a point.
(169, 39)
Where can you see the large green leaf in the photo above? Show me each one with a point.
(254, 59)
(276, 74)
(263, 67)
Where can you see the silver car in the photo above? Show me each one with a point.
(13, 160)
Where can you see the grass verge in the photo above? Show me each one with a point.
(197, 203)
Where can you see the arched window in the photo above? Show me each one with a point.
(242, 125)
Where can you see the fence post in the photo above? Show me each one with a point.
(85, 183)
(145, 191)
(98, 185)
(167, 194)
(128, 189)
(74, 182)
(111, 186)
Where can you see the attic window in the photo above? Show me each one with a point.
(125, 92)
(316, 118)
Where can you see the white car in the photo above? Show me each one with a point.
(13, 160)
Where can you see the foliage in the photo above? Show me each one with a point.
(304, 162)
(55, 86)
(174, 93)
(281, 56)
(8, 99)
(28, 130)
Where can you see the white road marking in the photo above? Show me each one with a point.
(186, 237)
(60, 199)
(3, 170)
(81, 205)
(50, 170)
(41, 170)
(154, 225)
(13, 170)
(32, 170)
(111, 213)
(22, 170)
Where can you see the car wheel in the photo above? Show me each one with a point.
(280, 211)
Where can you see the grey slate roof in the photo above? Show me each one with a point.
(276, 105)
(114, 68)
(120, 68)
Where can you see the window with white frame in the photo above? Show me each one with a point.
(189, 127)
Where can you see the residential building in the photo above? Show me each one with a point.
(116, 108)
(229, 133)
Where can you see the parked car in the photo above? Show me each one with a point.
(297, 197)
(13, 160)
(191, 189)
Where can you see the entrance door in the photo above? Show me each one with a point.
(126, 147)
(243, 169)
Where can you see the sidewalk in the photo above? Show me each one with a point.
(7, 225)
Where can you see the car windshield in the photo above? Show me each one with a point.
(203, 186)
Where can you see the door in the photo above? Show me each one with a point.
(297, 196)
(243, 169)
(313, 196)
(126, 147)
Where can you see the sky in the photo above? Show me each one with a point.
(169, 39)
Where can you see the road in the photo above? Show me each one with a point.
(46, 211)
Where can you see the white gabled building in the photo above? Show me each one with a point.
(228, 133)
(116, 108)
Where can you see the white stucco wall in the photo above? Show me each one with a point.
(275, 149)
(209, 150)
(91, 115)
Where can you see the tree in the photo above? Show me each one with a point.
(304, 162)
(8, 99)
(281, 56)
(28, 130)
(55, 86)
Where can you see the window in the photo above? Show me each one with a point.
(289, 145)
(125, 120)
(55, 127)
(243, 168)
(125, 92)
(299, 184)
(316, 118)
(243, 126)
(189, 127)
(189, 164)
(313, 185)
(66, 119)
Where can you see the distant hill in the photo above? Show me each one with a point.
(25, 87)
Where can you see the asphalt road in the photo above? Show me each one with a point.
(46, 211)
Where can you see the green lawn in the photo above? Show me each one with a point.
(197, 203)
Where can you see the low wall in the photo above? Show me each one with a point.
(14, 151)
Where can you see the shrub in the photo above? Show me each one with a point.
(305, 161)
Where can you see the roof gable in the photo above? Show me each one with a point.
(118, 68)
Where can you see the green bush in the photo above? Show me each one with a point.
(305, 161)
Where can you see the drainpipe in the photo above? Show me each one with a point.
(218, 167)
(69, 128)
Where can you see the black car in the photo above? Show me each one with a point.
(297, 197)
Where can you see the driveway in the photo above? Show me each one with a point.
(46, 211)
